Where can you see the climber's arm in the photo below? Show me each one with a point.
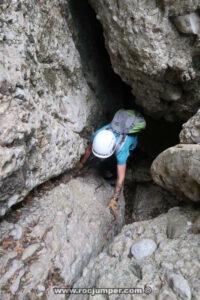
(121, 172)
(84, 158)
(88, 151)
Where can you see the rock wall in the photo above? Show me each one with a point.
(46, 106)
(154, 47)
(88, 37)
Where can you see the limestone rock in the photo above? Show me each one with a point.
(45, 102)
(159, 63)
(188, 24)
(62, 230)
(179, 285)
(190, 133)
(176, 258)
(177, 169)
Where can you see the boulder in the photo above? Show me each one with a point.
(152, 55)
(46, 106)
(177, 169)
(188, 24)
(53, 237)
(165, 273)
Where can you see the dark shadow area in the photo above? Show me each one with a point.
(158, 136)
(108, 87)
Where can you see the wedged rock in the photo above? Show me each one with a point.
(188, 24)
(151, 55)
(45, 102)
(190, 133)
(62, 230)
(170, 272)
(177, 169)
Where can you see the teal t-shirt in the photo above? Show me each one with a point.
(129, 145)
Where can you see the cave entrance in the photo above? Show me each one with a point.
(113, 94)
(108, 87)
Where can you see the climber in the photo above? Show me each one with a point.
(119, 138)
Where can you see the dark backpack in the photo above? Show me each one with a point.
(126, 122)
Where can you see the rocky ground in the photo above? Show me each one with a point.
(63, 235)
(50, 239)
(160, 256)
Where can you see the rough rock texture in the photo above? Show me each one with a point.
(171, 268)
(150, 200)
(46, 106)
(188, 24)
(190, 133)
(55, 237)
(178, 170)
(154, 47)
(88, 36)
(145, 199)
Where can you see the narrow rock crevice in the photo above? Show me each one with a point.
(108, 87)
(113, 94)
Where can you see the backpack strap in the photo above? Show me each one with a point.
(120, 142)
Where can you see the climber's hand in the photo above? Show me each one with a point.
(79, 167)
(113, 207)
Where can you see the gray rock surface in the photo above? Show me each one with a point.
(179, 285)
(151, 53)
(62, 230)
(188, 24)
(172, 271)
(190, 133)
(46, 105)
(177, 169)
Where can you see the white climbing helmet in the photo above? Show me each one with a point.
(104, 144)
